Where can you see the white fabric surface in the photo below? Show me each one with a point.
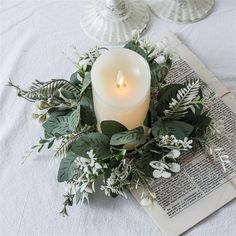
(33, 35)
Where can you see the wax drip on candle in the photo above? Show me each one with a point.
(120, 81)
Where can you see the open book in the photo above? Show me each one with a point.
(202, 186)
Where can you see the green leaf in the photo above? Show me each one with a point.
(96, 141)
(110, 127)
(74, 79)
(51, 143)
(154, 67)
(66, 95)
(159, 72)
(61, 126)
(165, 96)
(86, 82)
(134, 47)
(153, 112)
(199, 120)
(57, 125)
(148, 119)
(43, 141)
(87, 115)
(86, 100)
(67, 167)
(74, 119)
(179, 129)
(111, 165)
(78, 196)
(134, 136)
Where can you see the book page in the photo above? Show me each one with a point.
(202, 186)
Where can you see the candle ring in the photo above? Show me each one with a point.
(126, 139)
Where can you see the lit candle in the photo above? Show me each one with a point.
(121, 87)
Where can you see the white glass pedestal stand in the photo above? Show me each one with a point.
(181, 11)
(112, 21)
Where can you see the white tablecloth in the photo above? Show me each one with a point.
(33, 35)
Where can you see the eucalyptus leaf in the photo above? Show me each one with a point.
(179, 129)
(78, 196)
(66, 95)
(86, 101)
(159, 72)
(67, 167)
(111, 165)
(200, 120)
(87, 115)
(74, 119)
(154, 67)
(86, 82)
(134, 136)
(110, 127)
(153, 112)
(57, 125)
(98, 142)
(74, 79)
(148, 119)
(51, 143)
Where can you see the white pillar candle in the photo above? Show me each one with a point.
(121, 87)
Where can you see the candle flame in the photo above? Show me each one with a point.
(120, 81)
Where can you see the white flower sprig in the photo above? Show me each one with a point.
(171, 142)
(90, 170)
(218, 154)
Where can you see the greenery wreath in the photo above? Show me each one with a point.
(178, 120)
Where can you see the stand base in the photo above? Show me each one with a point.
(182, 11)
(110, 26)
